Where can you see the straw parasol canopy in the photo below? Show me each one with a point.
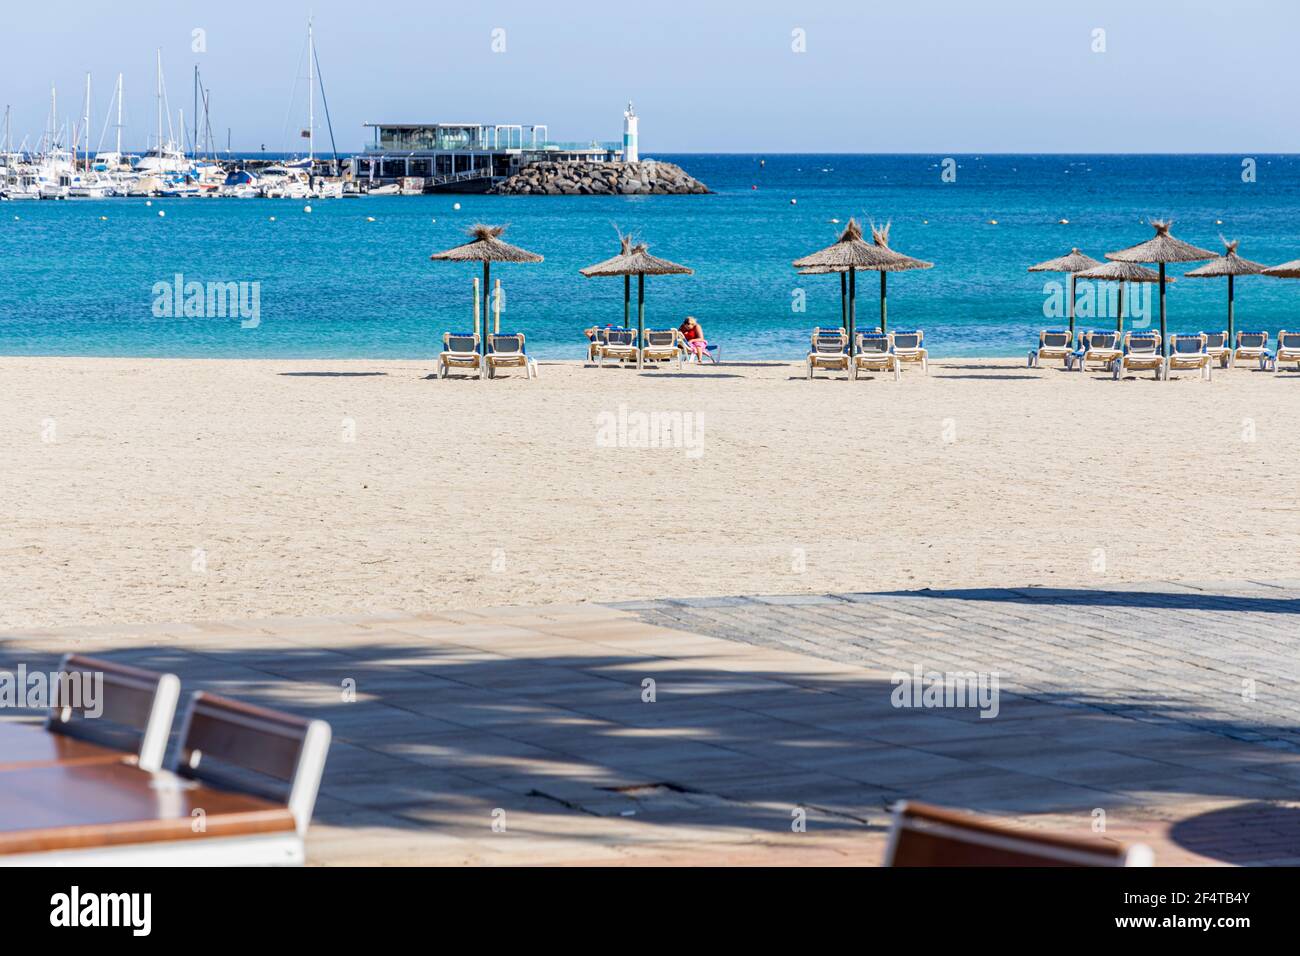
(635, 260)
(892, 262)
(850, 251)
(1231, 265)
(1122, 272)
(848, 254)
(1163, 249)
(487, 248)
(1287, 270)
(1070, 264)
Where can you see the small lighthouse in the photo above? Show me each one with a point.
(630, 154)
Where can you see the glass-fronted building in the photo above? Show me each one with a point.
(464, 156)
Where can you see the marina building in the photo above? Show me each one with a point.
(464, 157)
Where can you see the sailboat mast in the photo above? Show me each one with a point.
(311, 96)
(119, 118)
(86, 125)
(160, 104)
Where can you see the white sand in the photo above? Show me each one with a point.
(463, 493)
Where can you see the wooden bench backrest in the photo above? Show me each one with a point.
(925, 835)
(137, 707)
(221, 737)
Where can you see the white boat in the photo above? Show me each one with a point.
(283, 182)
(328, 189)
(90, 185)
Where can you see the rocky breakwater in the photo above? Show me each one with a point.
(600, 179)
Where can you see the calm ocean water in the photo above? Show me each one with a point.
(334, 285)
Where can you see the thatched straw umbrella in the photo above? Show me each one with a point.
(844, 287)
(849, 253)
(635, 260)
(1287, 270)
(1122, 272)
(893, 262)
(486, 248)
(1231, 265)
(1071, 264)
(1163, 249)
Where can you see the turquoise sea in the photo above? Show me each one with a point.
(333, 284)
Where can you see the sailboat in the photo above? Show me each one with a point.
(316, 186)
(166, 157)
(86, 182)
(54, 168)
(17, 178)
(108, 162)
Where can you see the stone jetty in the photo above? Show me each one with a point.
(600, 179)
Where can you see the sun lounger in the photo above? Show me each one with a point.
(459, 350)
(662, 345)
(830, 350)
(1188, 352)
(1250, 347)
(594, 342)
(508, 351)
(909, 346)
(874, 355)
(1052, 344)
(619, 345)
(1140, 353)
(1216, 343)
(925, 835)
(1288, 350)
(241, 792)
(1100, 348)
(134, 712)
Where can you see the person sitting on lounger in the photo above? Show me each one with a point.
(694, 336)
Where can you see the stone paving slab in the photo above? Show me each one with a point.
(1220, 658)
(763, 710)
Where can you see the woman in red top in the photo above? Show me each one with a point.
(694, 336)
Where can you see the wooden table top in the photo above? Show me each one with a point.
(23, 746)
(94, 805)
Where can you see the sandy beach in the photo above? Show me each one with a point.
(143, 490)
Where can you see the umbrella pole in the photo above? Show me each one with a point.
(844, 301)
(1119, 322)
(640, 317)
(1230, 297)
(1164, 339)
(627, 301)
(487, 273)
(476, 327)
(853, 295)
(882, 301)
(1069, 286)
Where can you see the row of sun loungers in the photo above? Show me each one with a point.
(615, 344)
(89, 788)
(873, 352)
(1138, 351)
(460, 350)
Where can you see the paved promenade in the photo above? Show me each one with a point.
(761, 730)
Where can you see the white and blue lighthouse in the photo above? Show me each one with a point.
(630, 153)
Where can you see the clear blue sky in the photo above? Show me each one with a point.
(898, 76)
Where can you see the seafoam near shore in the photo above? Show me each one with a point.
(167, 489)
